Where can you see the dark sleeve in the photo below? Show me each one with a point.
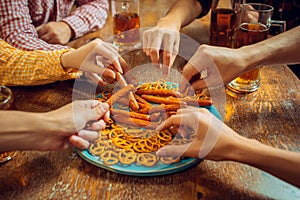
(206, 5)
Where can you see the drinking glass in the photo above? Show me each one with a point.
(223, 22)
(254, 24)
(126, 23)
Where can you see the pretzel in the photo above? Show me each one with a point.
(121, 143)
(146, 159)
(96, 149)
(110, 157)
(127, 156)
(169, 159)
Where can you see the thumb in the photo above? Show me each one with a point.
(173, 150)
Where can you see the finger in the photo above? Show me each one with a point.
(41, 30)
(165, 70)
(88, 135)
(199, 85)
(95, 78)
(46, 37)
(117, 66)
(188, 72)
(109, 75)
(174, 120)
(101, 110)
(173, 150)
(168, 43)
(145, 43)
(78, 142)
(124, 65)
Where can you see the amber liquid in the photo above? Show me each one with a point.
(223, 25)
(249, 34)
(126, 30)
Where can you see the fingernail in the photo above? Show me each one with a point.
(161, 152)
(104, 107)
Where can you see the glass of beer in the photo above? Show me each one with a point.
(126, 23)
(223, 22)
(254, 25)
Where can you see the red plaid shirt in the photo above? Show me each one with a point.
(18, 19)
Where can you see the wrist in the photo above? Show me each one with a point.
(169, 23)
(68, 30)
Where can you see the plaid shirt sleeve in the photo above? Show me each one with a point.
(38, 67)
(17, 28)
(89, 16)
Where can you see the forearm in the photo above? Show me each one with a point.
(31, 68)
(280, 163)
(19, 130)
(281, 49)
(88, 17)
(181, 14)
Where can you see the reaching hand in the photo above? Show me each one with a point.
(217, 65)
(94, 58)
(161, 38)
(213, 138)
(55, 32)
(85, 118)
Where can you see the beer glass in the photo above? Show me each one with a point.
(126, 23)
(254, 24)
(223, 22)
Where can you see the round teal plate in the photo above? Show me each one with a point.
(137, 170)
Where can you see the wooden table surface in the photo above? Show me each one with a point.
(270, 115)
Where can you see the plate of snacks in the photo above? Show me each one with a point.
(130, 140)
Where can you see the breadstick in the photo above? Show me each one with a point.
(132, 101)
(161, 100)
(136, 122)
(131, 114)
(159, 92)
(119, 94)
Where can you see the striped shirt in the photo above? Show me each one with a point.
(19, 19)
(18, 67)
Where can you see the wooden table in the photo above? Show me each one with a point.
(270, 115)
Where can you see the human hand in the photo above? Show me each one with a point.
(75, 124)
(212, 66)
(161, 38)
(214, 140)
(94, 58)
(55, 32)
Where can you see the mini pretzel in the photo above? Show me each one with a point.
(169, 159)
(146, 159)
(164, 136)
(124, 144)
(110, 157)
(127, 156)
(97, 149)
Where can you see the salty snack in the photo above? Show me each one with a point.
(130, 136)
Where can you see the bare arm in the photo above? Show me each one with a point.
(55, 130)
(281, 49)
(180, 14)
(224, 64)
(216, 141)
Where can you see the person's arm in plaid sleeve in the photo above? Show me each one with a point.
(17, 28)
(89, 16)
(19, 67)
